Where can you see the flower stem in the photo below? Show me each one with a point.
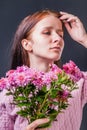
(45, 99)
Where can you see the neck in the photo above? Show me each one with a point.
(41, 65)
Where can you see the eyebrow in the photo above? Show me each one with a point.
(50, 27)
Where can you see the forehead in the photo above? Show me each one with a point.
(49, 21)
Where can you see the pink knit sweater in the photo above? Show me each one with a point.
(69, 120)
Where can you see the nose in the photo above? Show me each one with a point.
(56, 37)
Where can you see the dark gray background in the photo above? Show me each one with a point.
(13, 11)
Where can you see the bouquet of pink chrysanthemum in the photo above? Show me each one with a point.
(38, 94)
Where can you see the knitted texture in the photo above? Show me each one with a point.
(70, 119)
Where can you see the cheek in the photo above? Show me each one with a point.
(39, 46)
(62, 44)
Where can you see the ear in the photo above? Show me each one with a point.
(27, 45)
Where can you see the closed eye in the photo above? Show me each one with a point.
(47, 32)
(61, 35)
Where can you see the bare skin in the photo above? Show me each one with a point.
(78, 33)
(44, 47)
(75, 28)
(36, 123)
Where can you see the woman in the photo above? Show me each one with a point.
(39, 42)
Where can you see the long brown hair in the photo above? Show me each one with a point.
(19, 54)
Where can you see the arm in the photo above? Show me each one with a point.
(6, 123)
(6, 119)
(9, 120)
(75, 28)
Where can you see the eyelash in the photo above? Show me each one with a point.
(49, 33)
(60, 35)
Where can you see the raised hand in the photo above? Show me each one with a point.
(74, 27)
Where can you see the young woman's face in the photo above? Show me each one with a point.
(47, 39)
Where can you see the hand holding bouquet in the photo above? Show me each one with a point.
(38, 94)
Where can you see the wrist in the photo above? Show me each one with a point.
(84, 41)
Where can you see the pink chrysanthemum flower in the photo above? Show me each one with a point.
(4, 83)
(38, 94)
(73, 70)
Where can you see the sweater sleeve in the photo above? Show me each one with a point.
(84, 89)
(7, 118)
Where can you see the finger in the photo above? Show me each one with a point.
(67, 16)
(67, 26)
(62, 12)
(73, 19)
(36, 123)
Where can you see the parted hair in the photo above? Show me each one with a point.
(19, 54)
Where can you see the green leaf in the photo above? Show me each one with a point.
(22, 113)
(21, 104)
(44, 89)
(53, 114)
(21, 98)
(41, 115)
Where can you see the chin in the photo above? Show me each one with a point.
(56, 58)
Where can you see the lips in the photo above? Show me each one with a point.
(55, 48)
